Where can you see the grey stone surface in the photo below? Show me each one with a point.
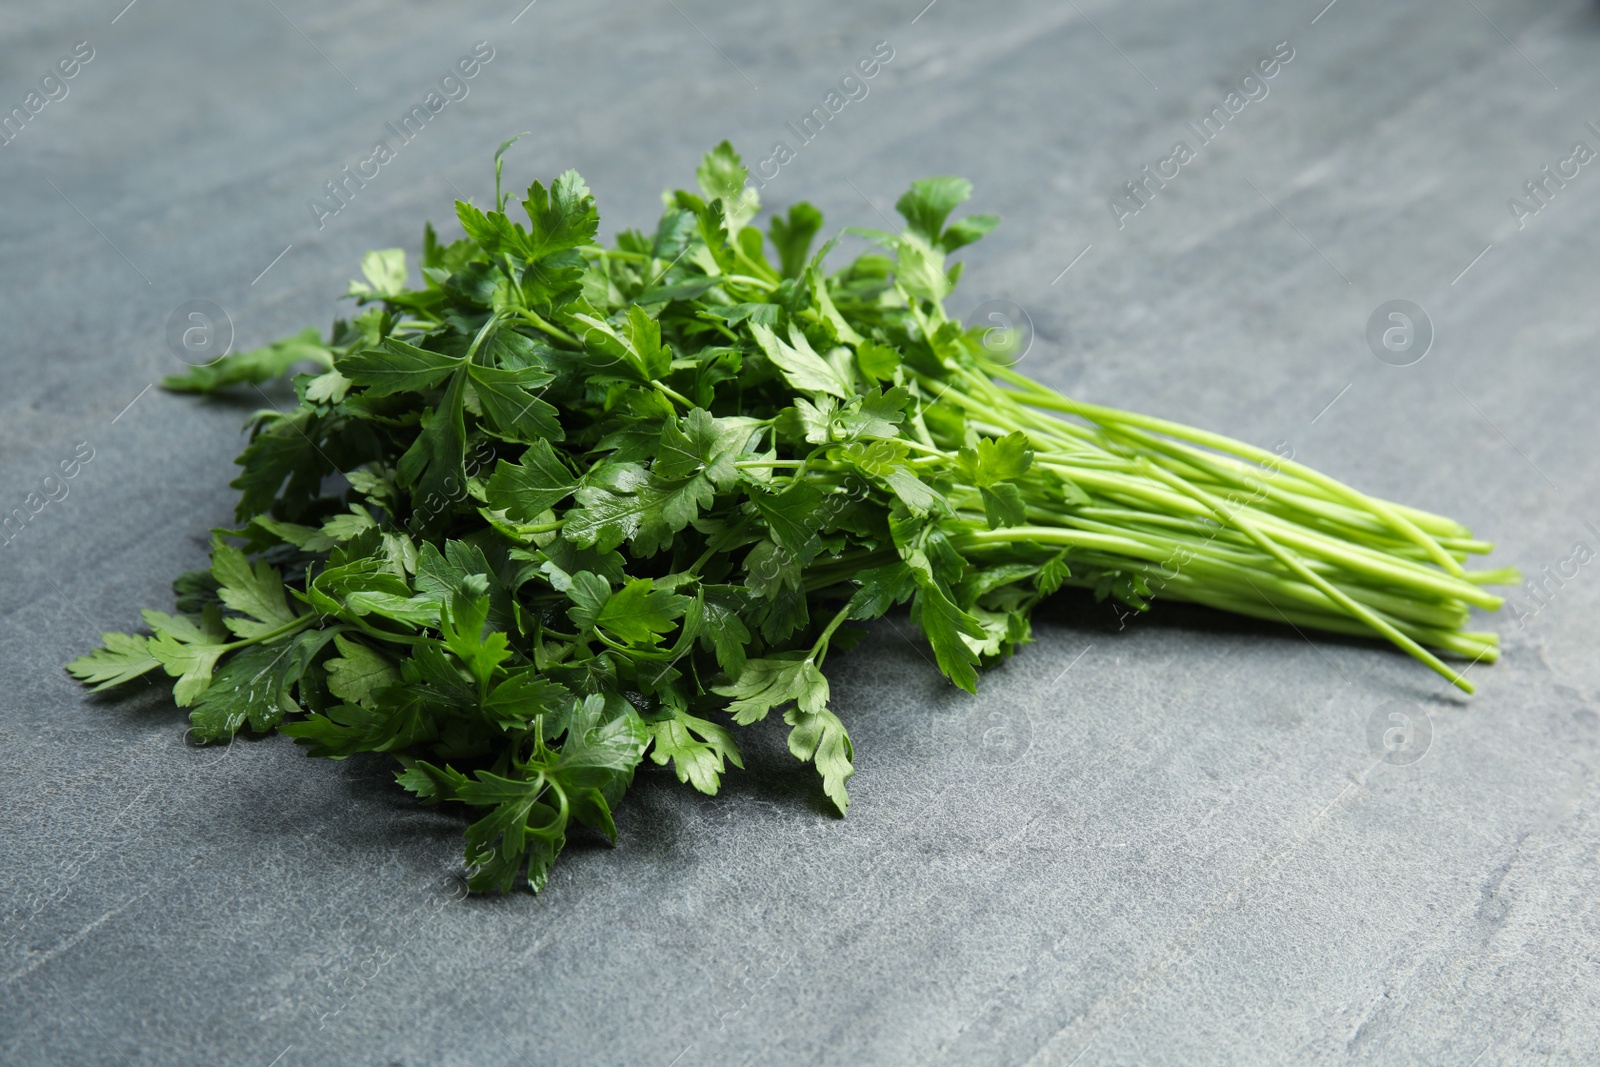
(1169, 844)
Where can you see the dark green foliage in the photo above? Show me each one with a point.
(602, 504)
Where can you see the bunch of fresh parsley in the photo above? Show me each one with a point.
(564, 507)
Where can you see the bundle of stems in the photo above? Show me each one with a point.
(1200, 517)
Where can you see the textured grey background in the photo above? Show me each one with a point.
(1170, 844)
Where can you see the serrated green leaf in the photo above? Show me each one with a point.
(124, 658)
(792, 236)
(876, 360)
(190, 664)
(385, 271)
(397, 367)
(821, 738)
(639, 613)
(791, 515)
(698, 750)
(565, 217)
(929, 202)
(945, 624)
(1052, 573)
(463, 624)
(526, 489)
(253, 366)
(256, 685)
(358, 671)
(434, 467)
(523, 695)
(920, 271)
(514, 410)
(799, 362)
(719, 627)
(773, 681)
(993, 461)
(620, 503)
(722, 176)
(255, 592)
(589, 593)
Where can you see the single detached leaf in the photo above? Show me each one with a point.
(250, 367)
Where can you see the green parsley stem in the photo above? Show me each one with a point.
(534, 319)
(300, 623)
(745, 279)
(819, 649)
(672, 394)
